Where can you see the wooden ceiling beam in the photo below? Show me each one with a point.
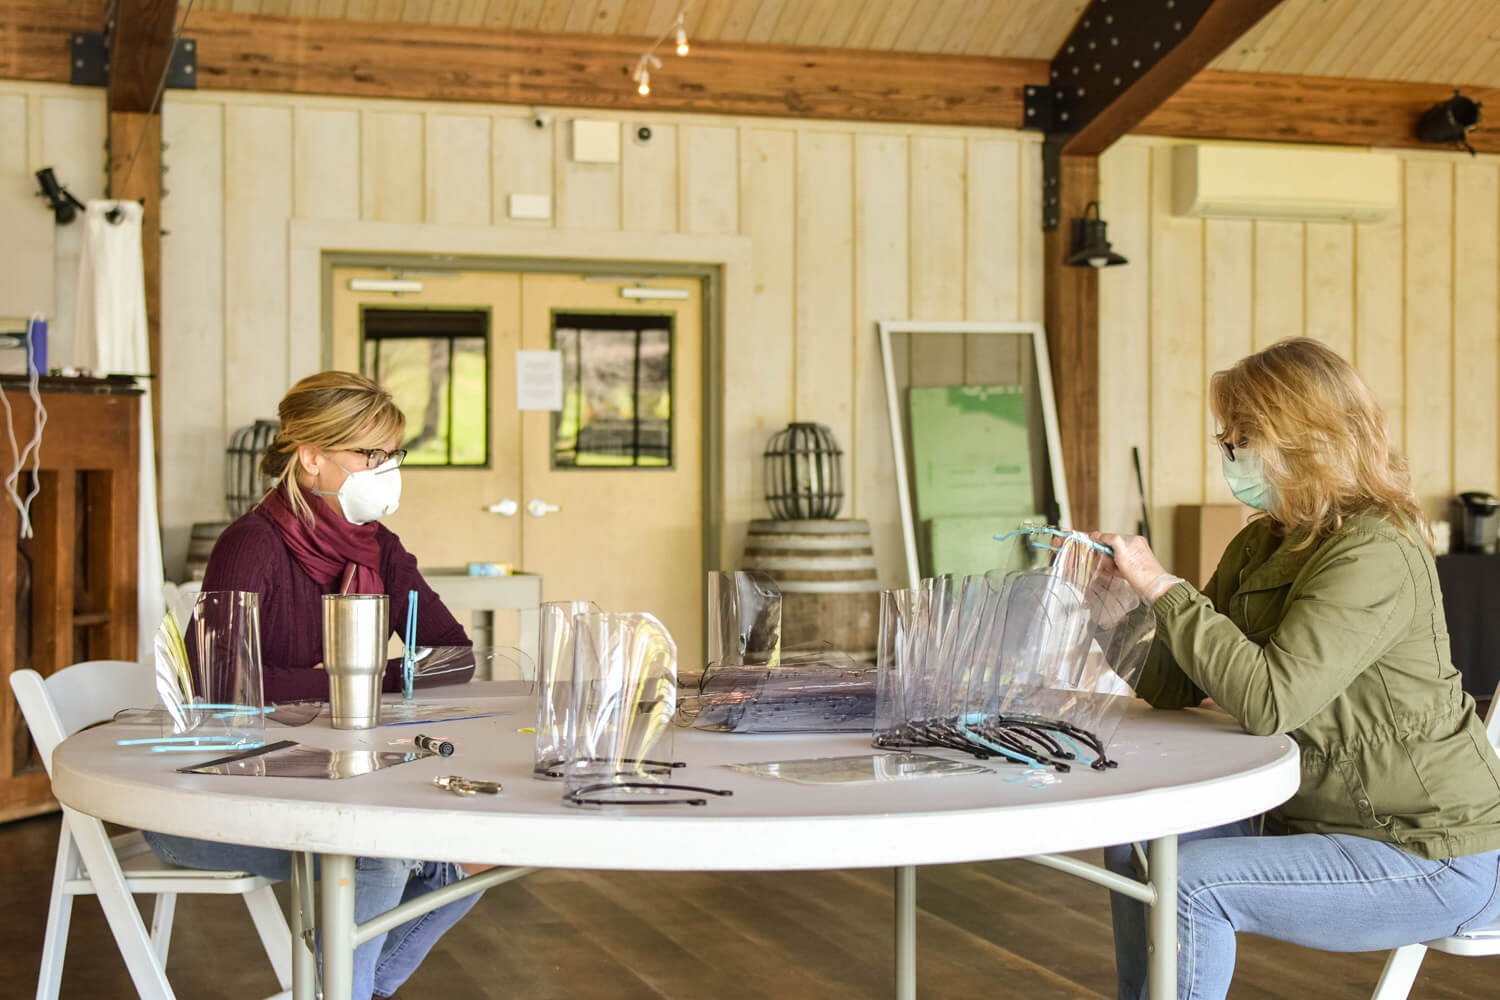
(1124, 58)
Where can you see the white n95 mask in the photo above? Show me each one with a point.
(1246, 477)
(369, 494)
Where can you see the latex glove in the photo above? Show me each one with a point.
(1134, 561)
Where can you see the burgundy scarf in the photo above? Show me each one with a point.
(331, 549)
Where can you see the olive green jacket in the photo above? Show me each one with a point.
(1343, 646)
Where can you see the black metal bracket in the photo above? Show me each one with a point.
(89, 61)
(1112, 45)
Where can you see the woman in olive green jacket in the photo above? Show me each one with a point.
(1323, 621)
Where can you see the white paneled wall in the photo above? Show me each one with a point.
(849, 224)
(1411, 300)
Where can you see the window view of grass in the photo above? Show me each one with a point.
(617, 391)
(439, 376)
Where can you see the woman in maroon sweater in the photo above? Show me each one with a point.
(336, 464)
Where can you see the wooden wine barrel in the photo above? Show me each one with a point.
(200, 545)
(830, 590)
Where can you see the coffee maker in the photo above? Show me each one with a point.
(1476, 516)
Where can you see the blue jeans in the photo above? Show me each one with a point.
(381, 964)
(1315, 890)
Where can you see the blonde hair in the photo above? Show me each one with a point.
(330, 411)
(1321, 437)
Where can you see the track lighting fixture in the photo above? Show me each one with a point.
(648, 61)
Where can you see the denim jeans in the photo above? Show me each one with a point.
(381, 964)
(1315, 890)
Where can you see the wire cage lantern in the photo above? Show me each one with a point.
(243, 483)
(803, 477)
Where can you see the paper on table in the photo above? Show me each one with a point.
(860, 769)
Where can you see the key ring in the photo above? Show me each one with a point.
(459, 785)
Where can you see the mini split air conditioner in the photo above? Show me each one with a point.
(1279, 182)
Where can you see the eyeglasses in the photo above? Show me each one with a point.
(1228, 447)
(376, 457)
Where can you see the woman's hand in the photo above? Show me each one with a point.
(1133, 560)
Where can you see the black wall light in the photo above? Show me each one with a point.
(1450, 121)
(64, 206)
(1090, 247)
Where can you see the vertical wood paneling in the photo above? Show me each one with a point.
(1124, 335)
(992, 283)
(194, 434)
(938, 254)
(1476, 415)
(1228, 306)
(1278, 282)
(72, 131)
(650, 175)
(1176, 354)
(759, 368)
(1029, 200)
(880, 293)
(825, 280)
(522, 164)
(257, 203)
(392, 164)
(588, 194)
(27, 252)
(458, 169)
(326, 176)
(1378, 352)
(710, 179)
(1330, 285)
(1429, 329)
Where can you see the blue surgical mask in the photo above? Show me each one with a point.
(1247, 478)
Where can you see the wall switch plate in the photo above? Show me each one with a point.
(596, 141)
(531, 206)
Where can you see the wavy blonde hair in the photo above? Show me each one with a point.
(1321, 436)
(330, 411)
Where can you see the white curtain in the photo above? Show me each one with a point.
(111, 339)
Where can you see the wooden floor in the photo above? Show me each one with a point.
(999, 930)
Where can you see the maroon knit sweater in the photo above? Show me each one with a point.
(250, 555)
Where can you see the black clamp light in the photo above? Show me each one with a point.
(1090, 247)
(1450, 121)
(64, 206)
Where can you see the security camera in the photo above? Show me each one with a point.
(643, 133)
(541, 119)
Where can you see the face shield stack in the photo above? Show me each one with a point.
(1034, 666)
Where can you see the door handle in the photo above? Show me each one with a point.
(505, 508)
(537, 507)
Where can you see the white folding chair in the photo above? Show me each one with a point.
(90, 862)
(1401, 968)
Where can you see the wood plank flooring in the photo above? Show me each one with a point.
(998, 930)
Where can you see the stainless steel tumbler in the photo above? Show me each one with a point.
(356, 629)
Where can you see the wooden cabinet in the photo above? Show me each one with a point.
(69, 592)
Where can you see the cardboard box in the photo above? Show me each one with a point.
(1200, 533)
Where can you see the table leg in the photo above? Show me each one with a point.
(337, 920)
(1161, 946)
(906, 933)
(304, 929)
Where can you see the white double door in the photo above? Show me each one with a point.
(627, 538)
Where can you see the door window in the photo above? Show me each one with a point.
(435, 362)
(617, 391)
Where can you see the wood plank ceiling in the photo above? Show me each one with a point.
(1428, 41)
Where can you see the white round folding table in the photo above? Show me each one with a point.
(1178, 772)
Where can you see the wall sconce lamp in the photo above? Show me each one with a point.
(1090, 247)
(64, 206)
(1450, 121)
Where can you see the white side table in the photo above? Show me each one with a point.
(484, 595)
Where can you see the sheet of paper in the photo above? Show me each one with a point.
(539, 380)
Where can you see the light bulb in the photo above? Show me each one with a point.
(1098, 261)
(682, 43)
(645, 82)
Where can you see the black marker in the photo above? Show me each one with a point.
(433, 745)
